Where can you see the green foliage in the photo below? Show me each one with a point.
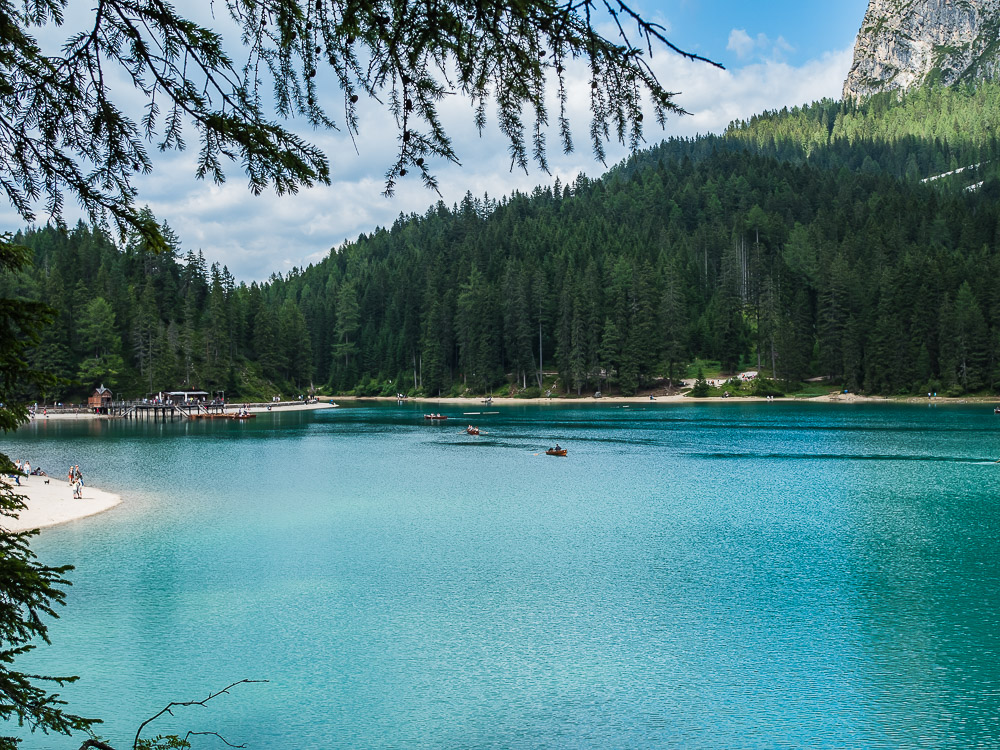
(103, 369)
(140, 322)
(925, 132)
(163, 742)
(763, 387)
(701, 387)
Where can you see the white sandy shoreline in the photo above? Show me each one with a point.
(833, 398)
(53, 503)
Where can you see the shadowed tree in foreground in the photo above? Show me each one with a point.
(29, 589)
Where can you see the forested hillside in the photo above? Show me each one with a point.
(141, 322)
(801, 243)
(923, 133)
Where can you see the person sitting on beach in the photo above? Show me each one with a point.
(37, 472)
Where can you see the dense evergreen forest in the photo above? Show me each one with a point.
(802, 243)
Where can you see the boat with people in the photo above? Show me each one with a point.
(557, 451)
(472, 430)
(435, 416)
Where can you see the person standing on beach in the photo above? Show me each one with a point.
(27, 468)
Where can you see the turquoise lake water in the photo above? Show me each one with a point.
(698, 576)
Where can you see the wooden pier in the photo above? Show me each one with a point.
(160, 412)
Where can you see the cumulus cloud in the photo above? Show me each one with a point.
(741, 43)
(745, 46)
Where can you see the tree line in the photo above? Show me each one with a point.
(786, 245)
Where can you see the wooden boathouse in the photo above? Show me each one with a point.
(100, 400)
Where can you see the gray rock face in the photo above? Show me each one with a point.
(905, 43)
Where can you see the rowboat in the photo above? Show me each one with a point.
(554, 452)
(472, 430)
(434, 416)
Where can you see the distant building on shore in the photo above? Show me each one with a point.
(100, 400)
(185, 397)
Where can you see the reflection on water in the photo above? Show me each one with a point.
(714, 575)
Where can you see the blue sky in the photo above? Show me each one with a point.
(806, 27)
(777, 53)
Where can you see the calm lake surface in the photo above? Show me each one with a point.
(697, 576)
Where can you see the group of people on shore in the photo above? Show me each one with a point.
(75, 477)
(23, 469)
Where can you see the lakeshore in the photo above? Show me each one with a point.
(53, 503)
(678, 398)
(326, 402)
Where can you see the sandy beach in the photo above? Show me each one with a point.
(51, 504)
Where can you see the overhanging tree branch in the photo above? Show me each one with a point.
(168, 709)
(60, 132)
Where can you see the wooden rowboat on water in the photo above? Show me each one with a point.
(434, 416)
(554, 452)
(472, 430)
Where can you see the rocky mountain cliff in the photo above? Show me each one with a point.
(905, 43)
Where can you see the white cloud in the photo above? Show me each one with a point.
(745, 46)
(717, 97)
(740, 43)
